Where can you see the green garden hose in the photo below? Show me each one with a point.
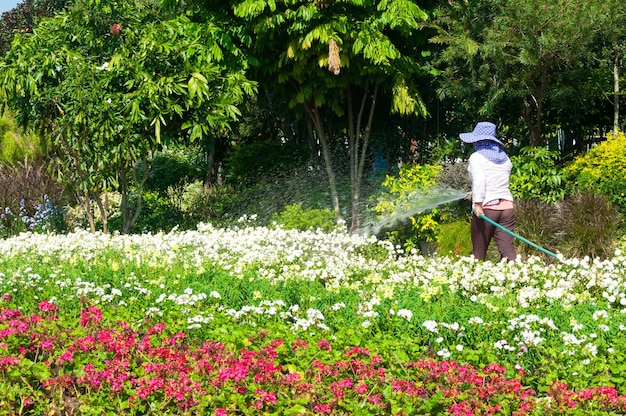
(519, 237)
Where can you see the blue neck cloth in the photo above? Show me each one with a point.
(492, 151)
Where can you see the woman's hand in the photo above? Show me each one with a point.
(478, 210)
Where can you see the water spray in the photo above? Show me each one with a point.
(415, 203)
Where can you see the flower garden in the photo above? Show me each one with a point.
(268, 321)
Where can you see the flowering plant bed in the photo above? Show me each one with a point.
(268, 321)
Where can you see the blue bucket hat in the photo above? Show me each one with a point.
(483, 131)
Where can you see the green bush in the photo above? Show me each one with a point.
(603, 169)
(16, 146)
(157, 214)
(536, 175)
(407, 209)
(295, 217)
(174, 167)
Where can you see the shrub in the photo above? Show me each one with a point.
(590, 225)
(537, 221)
(31, 199)
(603, 168)
(536, 175)
(157, 214)
(295, 217)
(455, 176)
(173, 167)
(15, 146)
(408, 209)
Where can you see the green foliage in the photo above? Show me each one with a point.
(295, 217)
(495, 53)
(454, 239)
(174, 167)
(17, 146)
(603, 169)
(159, 214)
(24, 17)
(252, 163)
(536, 175)
(400, 201)
(114, 80)
(199, 203)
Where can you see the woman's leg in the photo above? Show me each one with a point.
(504, 240)
(481, 231)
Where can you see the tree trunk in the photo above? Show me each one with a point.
(104, 211)
(131, 211)
(616, 94)
(85, 203)
(315, 117)
(358, 151)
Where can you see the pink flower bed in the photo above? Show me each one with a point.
(48, 365)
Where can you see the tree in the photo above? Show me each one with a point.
(333, 59)
(24, 17)
(113, 81)
(516, 51)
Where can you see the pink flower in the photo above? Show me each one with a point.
(66, 357)
(9, 361)
(299, 344)
(90, 316)
(46, 306)
(221, 412)
(323, 408)
(324, 345)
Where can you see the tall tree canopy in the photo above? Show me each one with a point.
(112, 81)
(517, 52)
(333, 59)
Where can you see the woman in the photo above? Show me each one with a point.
(490, 169)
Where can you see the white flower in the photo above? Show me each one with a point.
(599, 315)
(366, 324)
(444, 353)
(500, 344)
(475, 321)
(459, 347)
(406, 314)
(431, 326)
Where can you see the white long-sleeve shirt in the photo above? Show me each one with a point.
(490, 181)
